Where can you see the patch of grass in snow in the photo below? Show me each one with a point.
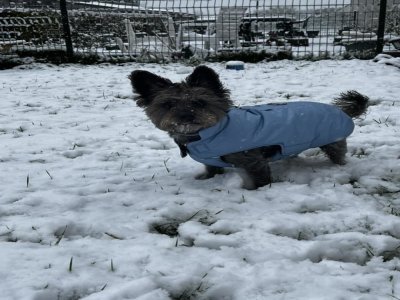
(112, 268)
(70, 293)
(169, 226)
(383, 190)
(388, 255)
(8, 236)
(70, 264)
(193, 292)
(60, 236)
(21, 129)
(385, 121)
(300, 234)
(394, 210)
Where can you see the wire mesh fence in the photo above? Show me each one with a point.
(174, 29)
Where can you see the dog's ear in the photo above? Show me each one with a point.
(147, 84)
(206, 77)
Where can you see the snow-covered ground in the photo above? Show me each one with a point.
(95, 203)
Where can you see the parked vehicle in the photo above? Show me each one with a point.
(276, 29)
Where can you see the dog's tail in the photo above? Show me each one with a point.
(352, 103)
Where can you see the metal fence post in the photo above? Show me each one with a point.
(66, 29)
(381, 26)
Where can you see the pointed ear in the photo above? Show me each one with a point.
(146, 84)
(206, 77)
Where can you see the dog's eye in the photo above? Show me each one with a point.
(167, 105)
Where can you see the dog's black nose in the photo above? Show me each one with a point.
(185, 116)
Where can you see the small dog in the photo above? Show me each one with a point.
(200, 116)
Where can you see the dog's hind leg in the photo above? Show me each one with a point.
(336, 151)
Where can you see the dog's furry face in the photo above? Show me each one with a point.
(182, 108)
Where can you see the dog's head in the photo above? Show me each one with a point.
(182, 108)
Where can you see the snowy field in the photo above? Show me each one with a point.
(95, 203)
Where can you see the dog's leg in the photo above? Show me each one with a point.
(259, 173)
(336, 152)
(210, 172)
(255, 164)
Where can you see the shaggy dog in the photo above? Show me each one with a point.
(199, 115)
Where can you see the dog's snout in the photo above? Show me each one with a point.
(185, 116)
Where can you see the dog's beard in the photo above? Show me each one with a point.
(182, 128)
(187, 128)
(176, 127)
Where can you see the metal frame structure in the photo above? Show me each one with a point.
(177, 29)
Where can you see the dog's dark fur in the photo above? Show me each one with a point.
(182, 109)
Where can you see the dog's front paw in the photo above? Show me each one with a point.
(210, 172)
(250, 184)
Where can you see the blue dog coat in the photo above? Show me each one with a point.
(294, 127)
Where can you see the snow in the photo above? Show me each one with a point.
(96, 203)
(387, 59)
